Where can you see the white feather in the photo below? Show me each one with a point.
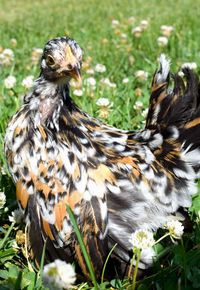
(162, 74)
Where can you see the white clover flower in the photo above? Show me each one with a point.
(175, 229)
(141, 75)
(166, 30)
(104, 112)
(144, 24)
(107, 82)
(103, 102)
(10, 82)
(13, 42)
(15, 245)
(75, 84)
(58, 275)
(147, 257)
(8, 52)
(2, 199)
(6, 209)
(7, 56)
(37, 51)
(90, 71)
(131, 19)
(190, 65)
(138, 92)
(112, 85)
(123, 35)
(36, 55)
(138, 105)
(91, 82)
(78, 92)
(16, 216)
(131, 59)
(142, 239)
(105, 106)
(2, 170)
(145, 112)
(115, 23)
(100, 68)
(137, 31)
(125, 80)
(162, 41)
(104, 41)
(27, 83)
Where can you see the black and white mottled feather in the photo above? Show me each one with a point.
(115, 181)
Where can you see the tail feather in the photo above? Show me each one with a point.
(191, 129)
(163, 73)
(159, 92)
(177, 107)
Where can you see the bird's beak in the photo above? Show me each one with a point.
(71, 61)
(75, 73)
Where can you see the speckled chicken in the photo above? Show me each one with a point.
(115, 181)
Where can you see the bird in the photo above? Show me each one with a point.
(115, 181)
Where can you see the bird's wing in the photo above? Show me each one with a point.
(49, 177)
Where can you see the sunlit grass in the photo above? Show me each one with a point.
(32, 23)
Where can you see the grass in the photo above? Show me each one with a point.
(89, 22)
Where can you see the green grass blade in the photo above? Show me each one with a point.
(83, 248)
(42, 259)
(6, 236)
(105, 264)
(41, 265)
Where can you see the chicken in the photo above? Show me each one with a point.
(115, 181)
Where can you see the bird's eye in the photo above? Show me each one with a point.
(50, 60)
(70, 67)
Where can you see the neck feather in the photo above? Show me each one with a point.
(46, 100)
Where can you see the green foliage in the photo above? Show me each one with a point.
(83, 248)
(32, 23)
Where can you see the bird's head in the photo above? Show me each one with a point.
(61, 60)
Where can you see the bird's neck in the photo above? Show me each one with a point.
(46, 100)
(44, 88)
